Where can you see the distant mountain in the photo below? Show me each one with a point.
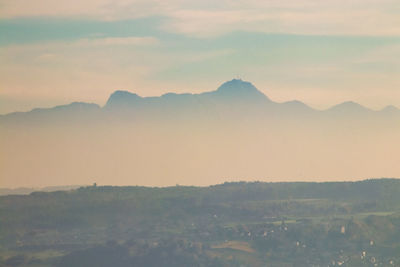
(239, 91)
(233, 98)
(69, 108)
(235, 132)
(349, 108)
(390, 110)
(122, 99)
(232, 92)
(60, 113)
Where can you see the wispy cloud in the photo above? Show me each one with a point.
(209, 18)
(132, 41)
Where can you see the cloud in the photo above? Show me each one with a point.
(147, 41)
(86, 69)
(335, 19)
(135, 41)
(209, 18)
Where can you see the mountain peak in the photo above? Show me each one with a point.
(123, 94)
(121, 98)
(237, 88)
(349, 107)
(236, 85)
(390, 108)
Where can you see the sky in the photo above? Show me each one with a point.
(318, 52)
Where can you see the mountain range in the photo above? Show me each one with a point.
(235, 97)
(233, 133)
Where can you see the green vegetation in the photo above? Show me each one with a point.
(233, 224)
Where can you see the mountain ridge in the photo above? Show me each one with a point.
(233, 92)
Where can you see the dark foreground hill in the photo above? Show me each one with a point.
(232, 224)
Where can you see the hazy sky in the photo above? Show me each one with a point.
(319, 52)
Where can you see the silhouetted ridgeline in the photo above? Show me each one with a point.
(233, 98)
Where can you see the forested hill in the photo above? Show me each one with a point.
(372, 189)
(257, 199)
(230, 224)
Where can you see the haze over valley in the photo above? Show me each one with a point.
(233, 133)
